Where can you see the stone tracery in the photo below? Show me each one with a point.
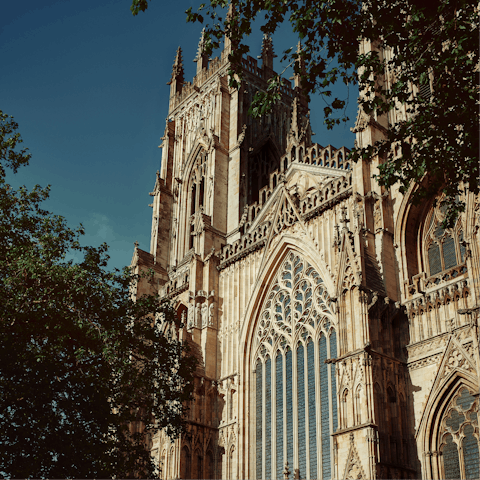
(459, 436)
(298, 298)
(294, 338)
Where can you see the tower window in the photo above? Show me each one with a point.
(197, 192)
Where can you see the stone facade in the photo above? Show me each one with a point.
(335, 322)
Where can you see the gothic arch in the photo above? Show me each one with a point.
(185, 463)
(407, 227)
(413, 237)
(190, 162)
(171, 463)
(193, 191)
(288, 243)
(357, 404)
(439, 249)
(435, 432)
(303, 334)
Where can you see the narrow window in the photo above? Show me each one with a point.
(358, 407)
(451, 461)
(324, 405)
(279, 414)
(312, 420)
(333, 354)
(289, 407)
(259, 415)
(268, 419)
(202, 193)
(302, 447)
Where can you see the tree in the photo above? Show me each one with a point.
(86, 374)
(427, 50)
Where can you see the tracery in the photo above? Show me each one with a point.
(295, 388)
(197, 191)
(459, 437)
(444, 249)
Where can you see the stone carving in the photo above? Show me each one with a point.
(241, 137)
(286, 216)
(424, 362)
(204, 314)
(353, 468)
(198, 315)
(456, 360)
(297, 296)
(211, 314)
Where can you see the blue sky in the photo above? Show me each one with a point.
(86, 81)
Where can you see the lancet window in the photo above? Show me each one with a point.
(443, 249)
(197, 190)
(459, 438)
(295, 385)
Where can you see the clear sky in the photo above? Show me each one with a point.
(86, 81)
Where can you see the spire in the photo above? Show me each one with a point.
(202, 57)
(299, 66)
(227, 41)
(300, 129)
(267, 51)
(176, 82)
(296, 124)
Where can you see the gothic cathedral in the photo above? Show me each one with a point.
(335, 322)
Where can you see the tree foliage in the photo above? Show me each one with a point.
(80, 360)
(416, 44)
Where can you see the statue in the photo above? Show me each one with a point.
(198, 316)
(191, 316)
(204, 314)
(211, 313)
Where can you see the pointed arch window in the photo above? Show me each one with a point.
(197, 191)
(358, 405)
(186, 463)
(443, 249)
(459, 437)
(295, 388)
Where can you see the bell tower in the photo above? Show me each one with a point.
(215, 161)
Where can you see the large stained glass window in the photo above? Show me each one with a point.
(295, 389)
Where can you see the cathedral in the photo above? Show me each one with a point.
(335, 323)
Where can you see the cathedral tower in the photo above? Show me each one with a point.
(335, 323)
